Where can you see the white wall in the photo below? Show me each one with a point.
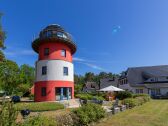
(54, 70)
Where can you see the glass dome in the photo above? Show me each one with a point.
(54, 33)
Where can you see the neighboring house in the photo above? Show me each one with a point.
(108, 82)
(93, 86)
(151, 80)
(90, 87)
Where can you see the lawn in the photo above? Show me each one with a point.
(153, 113)
(39, 106)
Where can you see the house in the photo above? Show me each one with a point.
(90, 87)
(151, 80)
(105, 82)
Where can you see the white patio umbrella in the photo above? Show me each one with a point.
(111, 89)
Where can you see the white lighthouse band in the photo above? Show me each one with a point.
(55, 70)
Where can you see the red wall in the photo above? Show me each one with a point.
(55, 51)
(50, 89)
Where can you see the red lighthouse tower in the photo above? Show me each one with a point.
(54, 68)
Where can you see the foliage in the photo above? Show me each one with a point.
(38, 121)
(87, 96)
(31, 96)
(137, 100)
(89, 113)
(21, 89)
(89, 76)
(79, 80)
(8, 114)
(36, 107)
(65, 119)
(27, 74)
(84, 96)
(2, 35)
(2, 56)
(9, 74)
(145, 97)
(78, 88)
(15, 80)
(132, 102)
(123, 94)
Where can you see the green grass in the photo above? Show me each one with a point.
(153, 113)
(39, 106)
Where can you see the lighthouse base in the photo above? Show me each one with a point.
(53, 91)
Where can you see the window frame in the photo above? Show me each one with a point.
(43, 91)
(65, 71)
(44, 70)
(63, 52)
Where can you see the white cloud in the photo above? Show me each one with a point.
(19, 52)
(78, 59)
(85, 62)
(94, 66)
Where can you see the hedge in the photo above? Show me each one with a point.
(86, 96)
(137, 99)
(124, 94)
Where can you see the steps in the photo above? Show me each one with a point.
(72, 103)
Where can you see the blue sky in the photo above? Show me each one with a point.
(111, 35)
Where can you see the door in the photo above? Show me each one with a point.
(58, 94)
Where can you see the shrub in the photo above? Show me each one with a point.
(138, 99)
(145, 97)
(38, 121)
(65, 119)
(123, 94)
(99, 97)
(31, 96)
(89, 113)
(8, 114)
(132, 102)
(86, 96)
(41, 106)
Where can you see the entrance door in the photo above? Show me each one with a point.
(63, 93)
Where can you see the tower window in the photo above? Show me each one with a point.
(46, 51)
(63, 52)
(65, 71)
(44, 70)
(59, 34)
(43, 91)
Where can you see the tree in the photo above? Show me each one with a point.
(27, 74)
(2, 38)
(9, 75)
(78, 79)
(89, 76)
(26, 78)
(2, 34)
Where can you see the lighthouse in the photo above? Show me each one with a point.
(54, 79)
